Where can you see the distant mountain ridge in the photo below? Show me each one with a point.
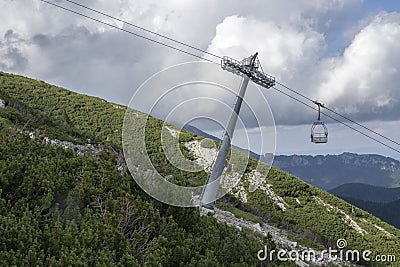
(346, 158)
(199, 132)
(330, 171)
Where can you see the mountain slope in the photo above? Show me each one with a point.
(84, 199)
(379, 201)
(367, 192)
(62, 208)
(388, 212)
(199, 132)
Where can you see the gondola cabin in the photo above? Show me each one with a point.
(319, 132)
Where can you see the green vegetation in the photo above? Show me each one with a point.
(155, 150)
(312, 220)
(60, 208)
(208, 143)
(60, 113)
(57, 208)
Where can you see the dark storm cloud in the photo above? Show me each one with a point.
(108, 64)
(12, 58)
(18, 61)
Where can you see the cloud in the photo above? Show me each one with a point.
(288, 52)
(11, 57)
(364, 81)
(361, 83)
(294, 40)
(283, 48)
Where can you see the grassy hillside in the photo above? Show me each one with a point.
(67, 205)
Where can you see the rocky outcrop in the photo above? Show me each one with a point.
(79, 149)
(2, 103)
(280, 238)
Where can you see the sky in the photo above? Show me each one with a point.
(343, 53)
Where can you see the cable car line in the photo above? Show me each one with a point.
(387, 138)
(340, 115)
(130, 32)
(144, 29)
(337, 120)
(294, 91)
(211, 54)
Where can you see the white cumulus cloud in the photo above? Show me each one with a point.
(365, 80)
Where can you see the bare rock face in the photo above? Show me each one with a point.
(2, 103)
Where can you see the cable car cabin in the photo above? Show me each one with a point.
(319, 133)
